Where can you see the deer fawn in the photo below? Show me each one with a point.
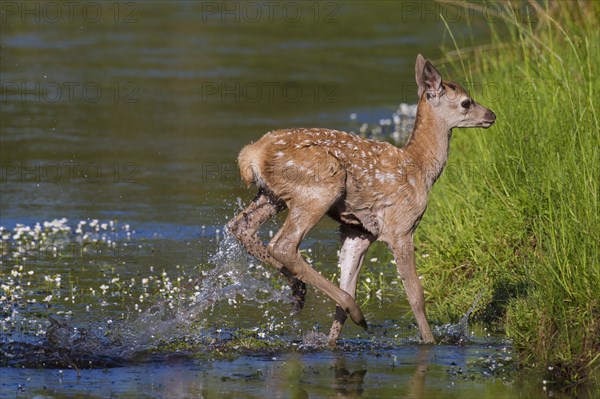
(375, 190)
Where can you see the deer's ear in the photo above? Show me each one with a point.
(428, 78)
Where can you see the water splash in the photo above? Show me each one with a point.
(231, 276)
(457, 334)
(313, 341)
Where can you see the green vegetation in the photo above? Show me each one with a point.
(515, 216)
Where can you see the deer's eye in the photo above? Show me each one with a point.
(466, 103)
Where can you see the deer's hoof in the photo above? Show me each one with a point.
(428, 340)
(363, 323)
(357, 317)
(298, 294)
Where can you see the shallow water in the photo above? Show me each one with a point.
(408, 371)
(125, 119)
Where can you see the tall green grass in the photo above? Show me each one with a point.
(515, 216)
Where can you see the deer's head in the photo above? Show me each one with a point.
(448, 100)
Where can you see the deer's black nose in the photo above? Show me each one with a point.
(490, 116)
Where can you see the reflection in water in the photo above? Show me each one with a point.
(358, 373)
(294, 379)
(348, 384)
(417, 383)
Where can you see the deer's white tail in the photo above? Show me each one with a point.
(249, 161)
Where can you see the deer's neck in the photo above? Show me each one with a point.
(427, 148)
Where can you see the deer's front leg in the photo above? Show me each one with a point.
(404, 253)
(354, 248)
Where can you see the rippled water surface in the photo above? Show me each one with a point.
(120, 124)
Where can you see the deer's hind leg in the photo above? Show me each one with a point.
(302, 217)
(244, 226)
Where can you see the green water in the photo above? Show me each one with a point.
(154, 108)
(134, 112)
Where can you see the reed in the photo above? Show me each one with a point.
(515, 216)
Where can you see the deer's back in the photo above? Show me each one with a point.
(366, 175)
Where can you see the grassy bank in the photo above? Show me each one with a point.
(515, 216)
